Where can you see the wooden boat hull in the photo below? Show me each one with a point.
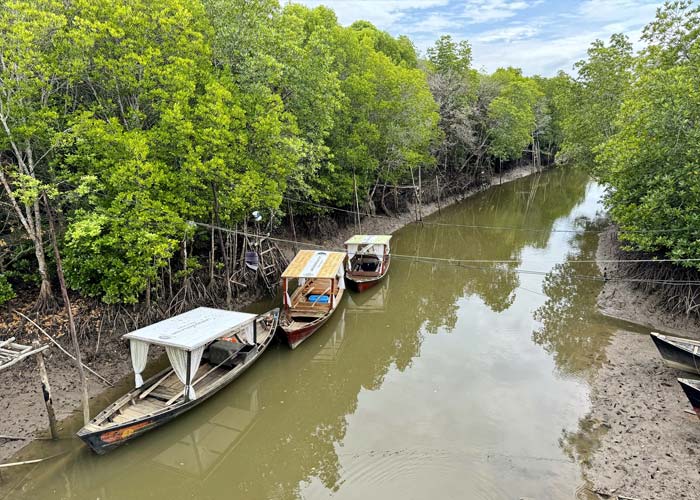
(105, 439)
(678, 353)
(295, 336)
(361, 283)
(692, 390)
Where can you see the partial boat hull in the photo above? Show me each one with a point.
(692, 390)
(359, 283)
(101, 439)
(359, 286)
(296, 336)
(678, 353)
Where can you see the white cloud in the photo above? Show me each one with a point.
(617, 10)
(434, 23)
(482, 11)
(538, 36)
(508, 34)
(382, 13)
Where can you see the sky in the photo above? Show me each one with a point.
(539, 36)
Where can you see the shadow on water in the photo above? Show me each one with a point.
(446, 380)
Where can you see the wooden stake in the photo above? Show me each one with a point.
(46, 391)
(291, 223)
(420, 194)
(437, 186)
(69, 311)
(357, 202)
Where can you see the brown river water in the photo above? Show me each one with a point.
(447, 381)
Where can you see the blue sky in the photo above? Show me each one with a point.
(540, 36)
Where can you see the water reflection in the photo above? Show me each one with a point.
(572, 330)
(429, 384)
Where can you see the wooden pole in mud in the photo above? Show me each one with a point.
(358, 220)
(437, 187)
(46, 391)
(420, 194)
(69, 311)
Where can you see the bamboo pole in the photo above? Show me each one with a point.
(46, 391)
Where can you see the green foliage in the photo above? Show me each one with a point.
(592, 101)
(651, 163)
(512, 114)
(6, 291)
(632, 119)
(447, 55)
(140, 116)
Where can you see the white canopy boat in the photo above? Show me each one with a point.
(207, 348)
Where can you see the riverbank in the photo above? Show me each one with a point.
(649, 449)
(21, 401)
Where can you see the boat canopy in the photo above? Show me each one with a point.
(369, 239)
(184, 337)
(315, 264)
(368, 244)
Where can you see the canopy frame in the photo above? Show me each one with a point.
(188, 332)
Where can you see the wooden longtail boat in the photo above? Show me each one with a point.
(320, 286)
(368, 260)
(207, 349)
(679, 353)
(692, 390)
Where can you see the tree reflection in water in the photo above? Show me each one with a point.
(572, 330)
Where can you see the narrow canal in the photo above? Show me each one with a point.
(447, 381)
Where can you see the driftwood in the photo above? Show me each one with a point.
(62, 349)
(12, 353)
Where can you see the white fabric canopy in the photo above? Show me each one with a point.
(192, 329)
(247, 334)
(178, 359)
(341, 278)
(139, 357)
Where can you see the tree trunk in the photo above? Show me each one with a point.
(30, 219)
(69, 311)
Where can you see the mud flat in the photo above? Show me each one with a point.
(22, 411)
(651, 447)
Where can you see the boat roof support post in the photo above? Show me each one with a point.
(188, 383)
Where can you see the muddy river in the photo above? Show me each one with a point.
(464, 380)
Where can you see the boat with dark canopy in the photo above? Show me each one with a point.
(679, 353)
(207, 348)
(692, 390)
(368, 260)
(320, 284)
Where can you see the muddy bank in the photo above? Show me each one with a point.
(387, 225)
(21, 405)
(649, 450)
(625, 301)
